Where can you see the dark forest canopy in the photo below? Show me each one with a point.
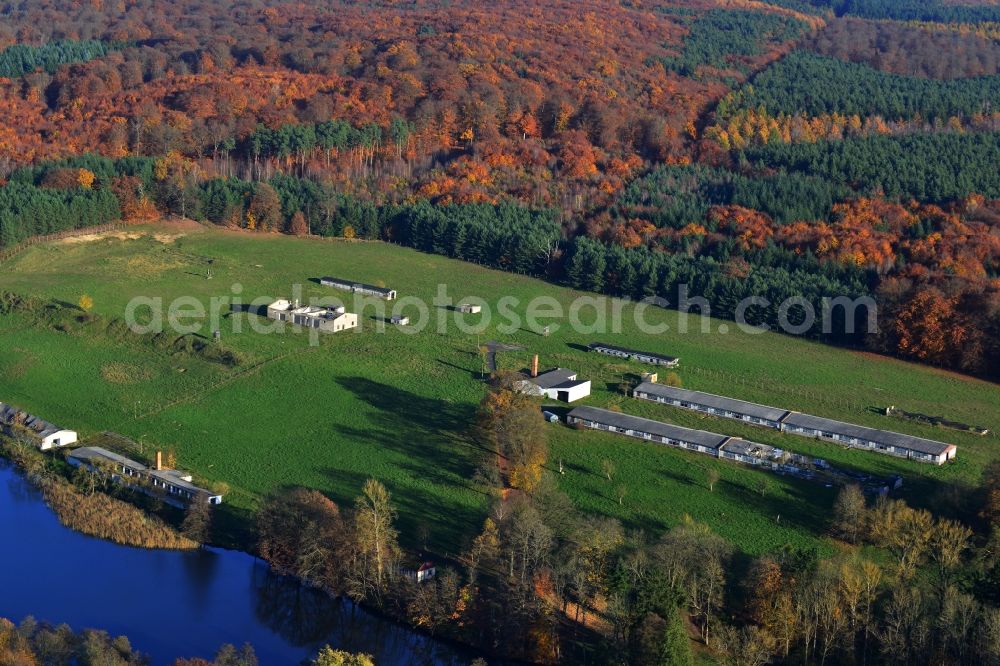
(677, 196)
(926, 167)
(20, 59)
(720, 38)
(805, 82)
(26, 211)
(914, 10)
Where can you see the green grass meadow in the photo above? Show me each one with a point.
(398, 405)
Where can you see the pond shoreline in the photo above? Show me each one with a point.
(98, 514)
(285, 619)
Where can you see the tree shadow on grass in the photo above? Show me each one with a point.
(406, 415)
(430, 439)
(450, 525)
(801, 507)
(801, 504)
(237, 308)
(478, 375)
(615, 388)
(575, 468)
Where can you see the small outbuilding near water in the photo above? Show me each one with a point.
(45, 435)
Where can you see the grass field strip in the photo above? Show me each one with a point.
(228, 379)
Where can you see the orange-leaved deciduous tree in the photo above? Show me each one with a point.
(264, 211)
(510, 426)
(297, 225)
(132, 200)
(751, 227)
(66, 178)
(926, 328)
(301, 532)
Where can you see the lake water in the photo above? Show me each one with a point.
(173, 604)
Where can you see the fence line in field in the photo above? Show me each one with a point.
(9, 253)
(210, 386)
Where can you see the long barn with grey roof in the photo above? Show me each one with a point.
(881, 441)
(719, 446)
(664, 433)
(641, 356)
(848, 434)
(358, 288)
(169, 485)
(709, 403)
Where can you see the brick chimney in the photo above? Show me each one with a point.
(159, 460)
(534, 366)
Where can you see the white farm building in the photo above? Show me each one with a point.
(45, 435)
(328, 320)
(559, 384)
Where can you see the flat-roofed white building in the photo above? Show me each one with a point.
(326, 319)
(558, 384)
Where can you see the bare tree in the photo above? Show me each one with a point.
(850, 515)
(375, 539)
(693, 560)
(197, 523)
(744, 646)
(608, 469)
(948, 541)
(711, 478)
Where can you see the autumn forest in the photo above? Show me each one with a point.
(782, 148)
